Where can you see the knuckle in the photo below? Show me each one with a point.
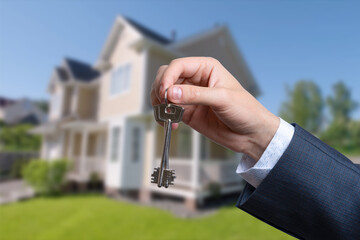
(174, 61)
(162, 68)
(213, 60)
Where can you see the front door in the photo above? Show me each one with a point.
(134, 155)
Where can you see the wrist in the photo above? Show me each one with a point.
(262, 136)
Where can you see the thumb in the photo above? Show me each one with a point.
(189, 94)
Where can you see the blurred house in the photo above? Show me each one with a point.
(102, 120)
(21, 111)
(4, 102)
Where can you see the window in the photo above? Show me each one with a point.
(115, 143)
(135, 148)
(120, 79)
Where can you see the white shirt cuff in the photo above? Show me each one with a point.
(255, 172)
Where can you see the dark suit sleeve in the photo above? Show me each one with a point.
(313, 192)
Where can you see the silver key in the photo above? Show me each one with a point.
(167, 113)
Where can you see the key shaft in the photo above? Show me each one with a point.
(167, 113)
(165, 157)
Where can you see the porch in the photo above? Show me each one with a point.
(201, 166)
(84, 145)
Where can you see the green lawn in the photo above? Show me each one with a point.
(97, 217)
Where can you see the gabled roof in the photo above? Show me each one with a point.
(148, 32)
(81, 71)
(62, 73)
(120, 23)
(77, 70)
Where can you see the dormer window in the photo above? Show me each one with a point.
(120, 79)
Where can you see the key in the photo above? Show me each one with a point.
(167, 113)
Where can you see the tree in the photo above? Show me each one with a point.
(14, 138)
(43, 105)
(341, 105)
(304, 106)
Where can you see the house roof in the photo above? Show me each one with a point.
(62, 73)
(81, 71)
(78, 70)
(148, 32)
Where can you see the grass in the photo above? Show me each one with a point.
(97, 217)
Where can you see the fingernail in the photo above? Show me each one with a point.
(177, 92)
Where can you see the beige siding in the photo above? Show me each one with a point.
(77, 144)
(87, 103)
(67, 100)
(129, 101)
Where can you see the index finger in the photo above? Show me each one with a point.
(184, 68)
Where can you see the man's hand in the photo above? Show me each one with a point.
(216, 104)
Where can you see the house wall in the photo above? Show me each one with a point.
(149, 149)
(22, 108)
(77, 144)
(51, 147)
(87, 103)
(128, 101)
(56, 102)
(68, 95)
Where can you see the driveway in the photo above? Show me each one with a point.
(15, 190)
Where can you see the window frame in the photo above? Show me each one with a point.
(124, 72)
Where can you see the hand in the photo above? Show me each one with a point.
(216, 104)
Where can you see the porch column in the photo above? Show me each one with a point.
(149, 158)
(195, 166)
(70, 148)
(62, 143)
(84, 143)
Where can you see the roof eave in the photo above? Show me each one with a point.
(146, 43)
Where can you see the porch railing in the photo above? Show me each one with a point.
(91, 165)
(211, 171)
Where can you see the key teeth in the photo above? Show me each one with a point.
(169, 176)
(155, 175)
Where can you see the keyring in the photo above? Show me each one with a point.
(166, 100)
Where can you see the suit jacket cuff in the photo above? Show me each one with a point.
(254, 172)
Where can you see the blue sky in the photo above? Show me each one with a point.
(282, 41)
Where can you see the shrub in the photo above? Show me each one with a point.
(46, 177)
(17, 166)
(214, 190)
(95, 181)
